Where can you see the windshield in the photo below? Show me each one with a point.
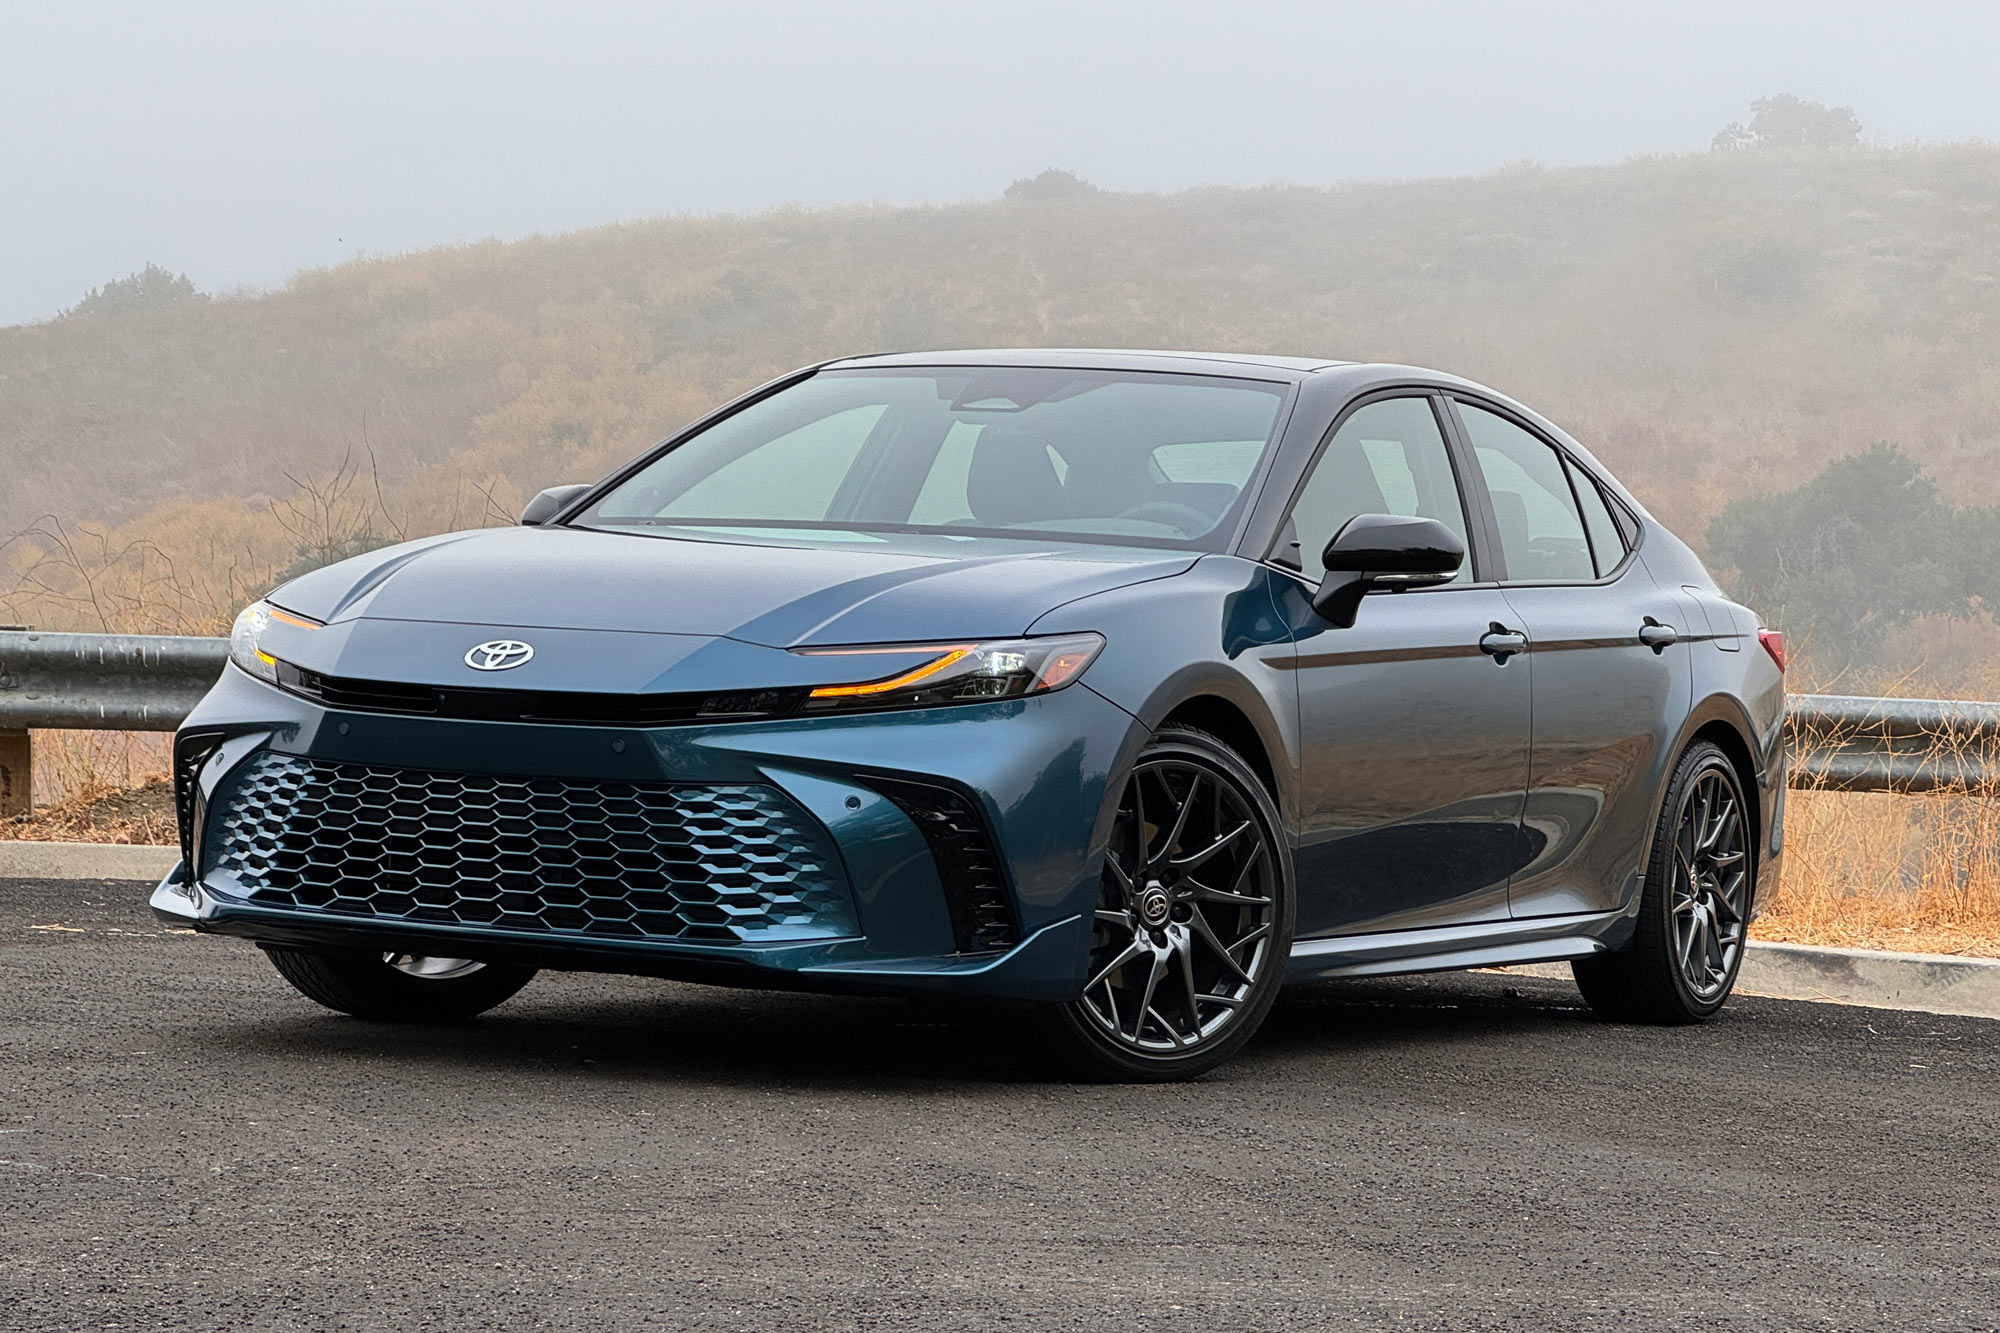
(977, 451)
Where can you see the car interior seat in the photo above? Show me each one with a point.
(1511, 512)
(1342, 486)
(1011, 478)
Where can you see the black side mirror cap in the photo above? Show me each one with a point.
(1382, 551)
(550, 503)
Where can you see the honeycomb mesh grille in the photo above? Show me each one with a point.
(704, 864)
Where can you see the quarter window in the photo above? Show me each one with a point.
(1541, 531)
(1607, 544)
(1388, 457)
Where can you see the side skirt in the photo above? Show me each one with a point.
(1449, 948)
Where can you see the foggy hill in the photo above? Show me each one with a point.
(1708, 323)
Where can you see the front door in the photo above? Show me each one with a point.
(1414, 721)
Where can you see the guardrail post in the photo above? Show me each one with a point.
(17, 774)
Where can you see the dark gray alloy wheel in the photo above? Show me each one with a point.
(398, 988)
(1695, 914)
(1194, 919)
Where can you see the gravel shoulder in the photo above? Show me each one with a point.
(185, 1143)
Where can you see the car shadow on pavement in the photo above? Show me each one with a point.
(683, 1033)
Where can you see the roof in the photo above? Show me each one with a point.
(1100, 358)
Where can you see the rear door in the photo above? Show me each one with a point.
(1414, 737)
(1609, 649)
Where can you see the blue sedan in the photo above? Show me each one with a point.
(1120, 687)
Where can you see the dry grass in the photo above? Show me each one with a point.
(98, 786)
(1876, 871)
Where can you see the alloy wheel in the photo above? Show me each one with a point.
(1186, 911)
(431, 969)
(1710, 881)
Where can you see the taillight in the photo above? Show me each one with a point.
(1774, 644)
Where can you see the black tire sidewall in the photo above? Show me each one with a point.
(1657, 926)
(363, 985)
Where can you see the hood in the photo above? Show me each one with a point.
(763, 592)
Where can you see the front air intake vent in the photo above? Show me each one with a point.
(191, 750)
(968, 866)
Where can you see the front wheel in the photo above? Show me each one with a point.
(398, 988)
(1694, 914)
(1193, 924)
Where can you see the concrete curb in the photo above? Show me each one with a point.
(85, 860)
(1929, 982)
(1926, 982)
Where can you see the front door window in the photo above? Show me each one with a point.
(1388, 457)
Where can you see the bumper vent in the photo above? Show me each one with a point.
(698, 864)
(975, 891)
(191, 751)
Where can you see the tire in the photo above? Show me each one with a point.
(1694, 912)
(370, 985)
(1194, 922)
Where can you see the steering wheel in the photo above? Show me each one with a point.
(1170, 513)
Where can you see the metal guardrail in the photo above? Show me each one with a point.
(104, 682)
(1849, 743)
(141, 682)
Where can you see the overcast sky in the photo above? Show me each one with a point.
(240, 142)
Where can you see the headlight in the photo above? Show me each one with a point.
(959, 673)
(246, 637)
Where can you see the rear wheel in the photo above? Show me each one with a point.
(1193, 925)
(1694, 915)
(399, 988)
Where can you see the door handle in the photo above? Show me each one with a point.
(1658, 637)
(1501, 643)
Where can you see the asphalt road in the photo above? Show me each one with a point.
(185, 1143)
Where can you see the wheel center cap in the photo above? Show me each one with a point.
(1154, 905)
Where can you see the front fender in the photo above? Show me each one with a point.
(1213, 632)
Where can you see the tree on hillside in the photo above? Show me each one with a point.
(1858, 551)
(1052, 187)
(148, 289)
(1785, 121)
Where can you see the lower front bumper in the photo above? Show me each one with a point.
(276, 791)
(1040, 967)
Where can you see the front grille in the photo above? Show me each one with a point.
(703, 864)
(968, 867)
(552, 706)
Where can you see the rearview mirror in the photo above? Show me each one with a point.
(550, 503)
(1383, 551)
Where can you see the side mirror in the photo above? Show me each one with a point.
(1375, 551)
(550, 503)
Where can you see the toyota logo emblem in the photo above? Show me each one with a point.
(498, 655)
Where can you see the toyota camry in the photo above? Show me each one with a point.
(1121, 687)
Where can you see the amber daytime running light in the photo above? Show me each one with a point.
(954, 673)
(246, 636)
